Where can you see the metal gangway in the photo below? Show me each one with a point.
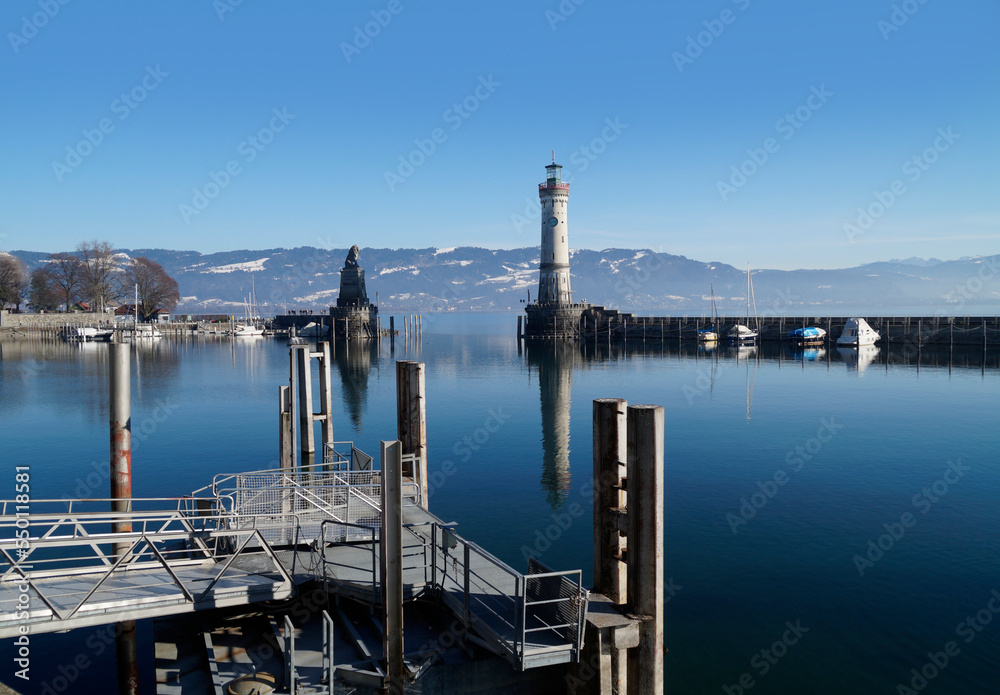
(532, 619)
(253, 536)
(68, 563)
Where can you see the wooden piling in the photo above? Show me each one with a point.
(645, 545)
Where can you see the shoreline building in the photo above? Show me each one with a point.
(553, 315)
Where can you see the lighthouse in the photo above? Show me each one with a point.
(553, 271)
(553, 315)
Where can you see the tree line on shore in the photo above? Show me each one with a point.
(94, 274)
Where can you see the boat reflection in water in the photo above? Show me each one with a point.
(858, 359)
(807, 354)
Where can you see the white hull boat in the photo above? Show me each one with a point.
(857, 333)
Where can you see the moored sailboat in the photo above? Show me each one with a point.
(741, 334)
(710, 334)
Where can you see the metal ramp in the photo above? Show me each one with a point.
(69, 569)
(532, 619)
(252, 537)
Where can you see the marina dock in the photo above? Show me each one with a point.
(300, 579)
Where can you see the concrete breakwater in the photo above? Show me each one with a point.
(608, 324)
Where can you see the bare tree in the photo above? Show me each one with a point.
(42, 291)
(99, 268)
(13, 281)
(157, 290)
(66, 277)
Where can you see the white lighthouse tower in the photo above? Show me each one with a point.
(553, 271)
(553, 315)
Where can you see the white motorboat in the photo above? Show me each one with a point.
(856, 333)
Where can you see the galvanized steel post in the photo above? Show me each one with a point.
(121, 435)
(121, 492)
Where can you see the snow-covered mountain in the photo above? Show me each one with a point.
(640, 280)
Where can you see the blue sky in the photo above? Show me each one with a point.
(320, 111)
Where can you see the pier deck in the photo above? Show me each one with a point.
(257, 536)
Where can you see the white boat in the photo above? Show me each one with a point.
(253, 326)
(811, 335)
(85, 334)
(746, 334)
(710, 334)
(246, 330)
(146, 331)
(741, 335)
(856, 333)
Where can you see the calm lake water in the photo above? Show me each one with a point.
(781, 585)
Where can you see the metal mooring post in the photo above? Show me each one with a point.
(121, 436)
(120, 386)
(645, 545)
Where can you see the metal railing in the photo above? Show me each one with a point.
(530, 619)
(345, 456)
(70, 561)
(314, 494)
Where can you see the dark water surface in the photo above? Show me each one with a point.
(782, 585)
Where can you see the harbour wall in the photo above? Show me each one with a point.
(607, 324)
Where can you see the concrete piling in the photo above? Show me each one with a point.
(300, 376)
(609, 497)
(307, 439)
(625, 635)
(411, 420)
(325, 396)
(286, 431)
(391, 561)
(645, 545)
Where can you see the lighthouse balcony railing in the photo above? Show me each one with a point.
(544, 186)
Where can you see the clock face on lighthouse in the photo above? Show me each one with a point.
(553, 221)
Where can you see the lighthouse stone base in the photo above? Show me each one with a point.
(554, 321)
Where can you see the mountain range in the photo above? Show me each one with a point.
(641, 281)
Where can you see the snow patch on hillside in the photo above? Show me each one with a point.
(246, 267)
(316, 296)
